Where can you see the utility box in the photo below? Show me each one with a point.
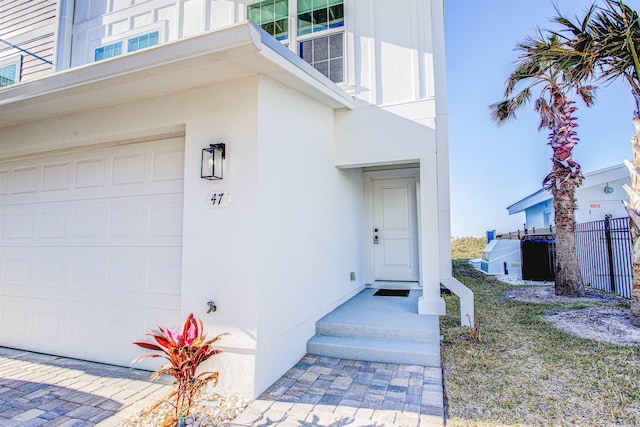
(538, 257)
(501, 257)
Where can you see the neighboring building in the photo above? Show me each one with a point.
(27, 39)
(600, 194)
(335, 175)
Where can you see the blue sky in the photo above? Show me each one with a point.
(493, 167)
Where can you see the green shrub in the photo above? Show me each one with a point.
(467, 247)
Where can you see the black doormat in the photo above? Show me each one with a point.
(391, 293)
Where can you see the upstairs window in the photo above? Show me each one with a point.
(107, 51)
(132, 44)
(142, 42)
(8, 74)
(319, 15)
(272, 16)
(319, 38)
(326, 55)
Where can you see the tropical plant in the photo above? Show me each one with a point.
(556, 113)
(605, 45)
(185, 352)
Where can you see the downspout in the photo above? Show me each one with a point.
(442, 163)
(64, 36)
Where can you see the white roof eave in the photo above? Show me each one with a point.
(234, 52)
(591, 179)
(531, 200)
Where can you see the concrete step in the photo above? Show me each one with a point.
(376, 350)
(380, 332)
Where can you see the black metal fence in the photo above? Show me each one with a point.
(604, 255)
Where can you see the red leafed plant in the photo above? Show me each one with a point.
(185, 352)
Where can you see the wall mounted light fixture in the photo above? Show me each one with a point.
(212, 159)
(607, 189)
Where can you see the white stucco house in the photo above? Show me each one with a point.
(335, 174)
(600, 194)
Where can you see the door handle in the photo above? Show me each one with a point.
(375, 240)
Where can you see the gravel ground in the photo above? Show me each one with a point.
(209, 411)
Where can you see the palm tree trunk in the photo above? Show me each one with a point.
(564, 178)
(633, 208)
(568, 278)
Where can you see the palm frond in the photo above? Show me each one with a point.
(546, 113)
(501, 112)
(506, 109)
(587, 93)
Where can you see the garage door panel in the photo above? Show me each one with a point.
(145, 168)
(91, 248)
(93, 331)
(53, 223)
(56, 176)
(128, 221)
(151, 278)
(168, 165)
(47, 325)
(14, 319)
(97, 193)
(157, 271)
(25, 180)
(20, 225)
(128, 169)
(4, 182)
(145, 220)
(88, 223)
(164, 277)
(166, 222)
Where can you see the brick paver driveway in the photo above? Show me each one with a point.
(42, 390)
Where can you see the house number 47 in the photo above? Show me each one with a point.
(219, 199)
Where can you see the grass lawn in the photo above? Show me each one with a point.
(525, 372)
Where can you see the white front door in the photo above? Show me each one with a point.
(395, 229)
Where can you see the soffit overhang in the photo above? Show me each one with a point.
(235, 52)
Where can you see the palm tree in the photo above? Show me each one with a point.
(605, 45)
(557, 115)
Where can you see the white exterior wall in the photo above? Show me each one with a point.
(279, 257)
(392, 48)
(389, 55)
(31, 26)
(219, 246)
(389, 50)
(309, 226)
(534, 216)
(594, 203)
(100, 22)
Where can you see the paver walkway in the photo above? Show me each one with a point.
(42, 390)
(324, 391)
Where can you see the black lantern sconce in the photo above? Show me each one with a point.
(212, 161)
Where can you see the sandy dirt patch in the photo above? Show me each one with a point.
(607, 324)
(546, 294)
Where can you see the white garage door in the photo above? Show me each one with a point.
(91, 248)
